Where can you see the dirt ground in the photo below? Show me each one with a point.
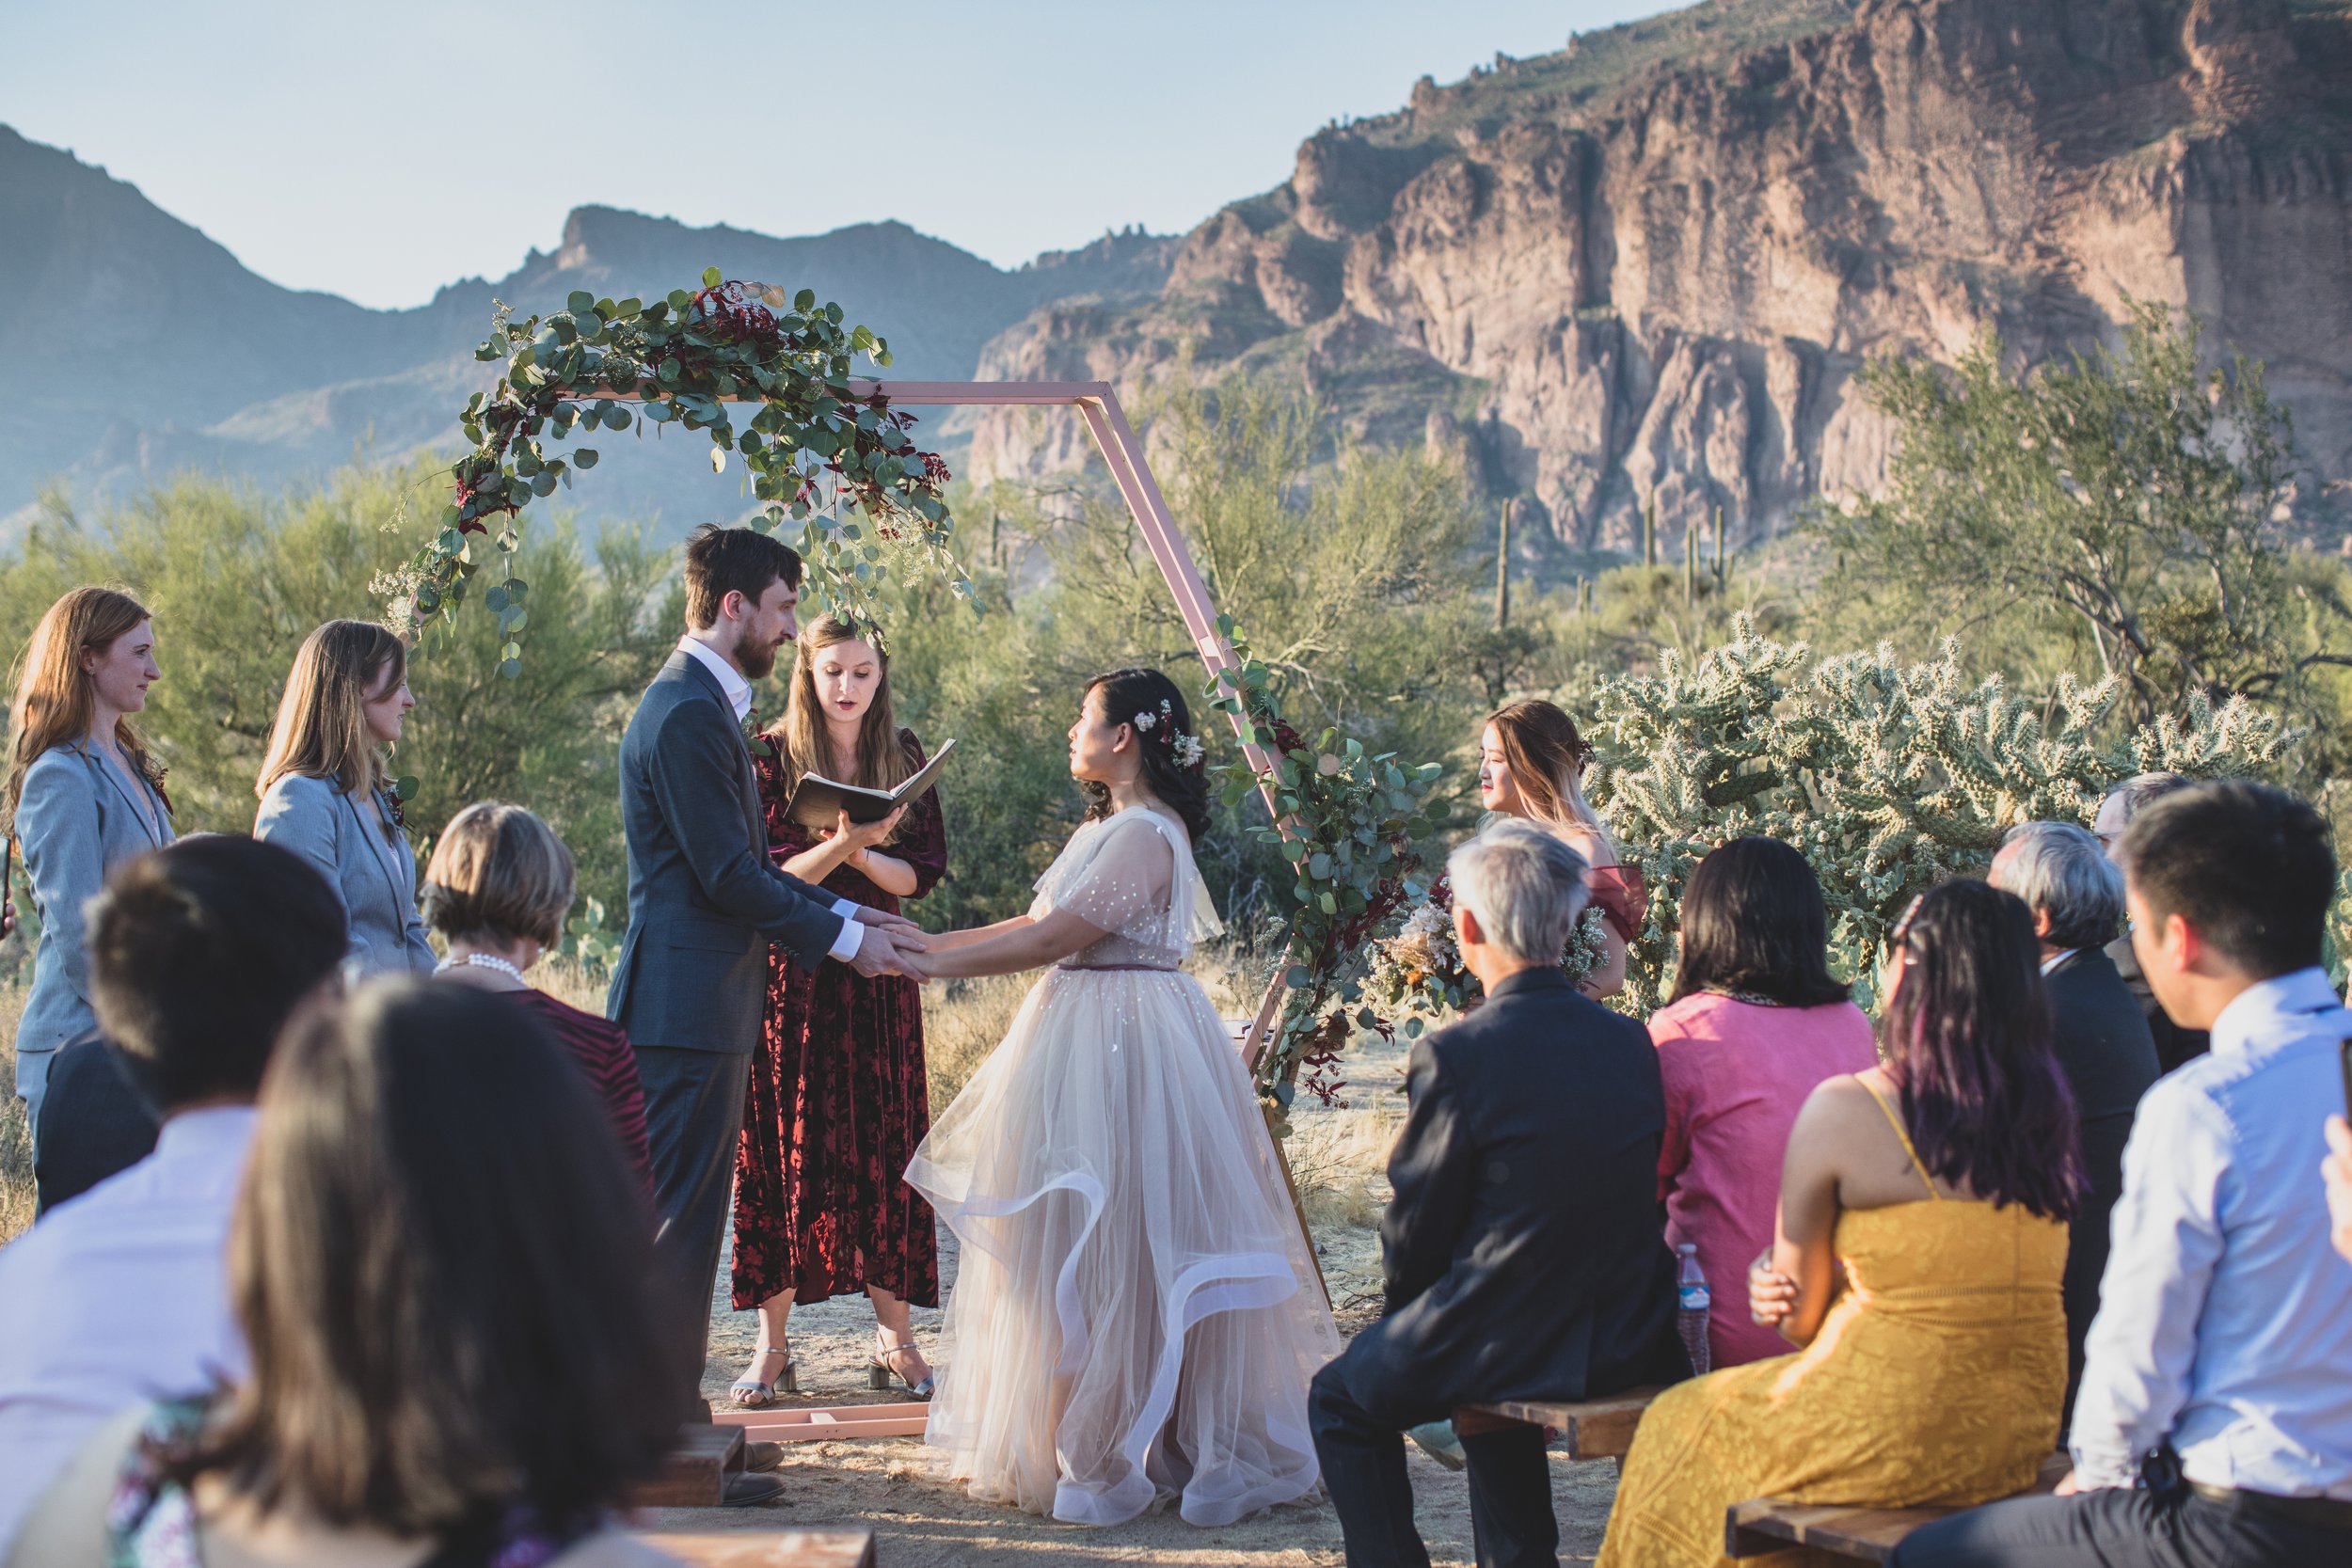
(922, 1522)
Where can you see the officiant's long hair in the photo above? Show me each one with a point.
(1182, 788)
(883, 757)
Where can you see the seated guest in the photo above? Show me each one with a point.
(1923, 1210)
(2174, 1044)
(1521, 1249)
(198, 952)
(430, 1177)
(93, 1122)
(1757, 1020)
(2098, 1031)
(2214, 1423)
(495, 890)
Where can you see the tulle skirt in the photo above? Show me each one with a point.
(1135, 1316)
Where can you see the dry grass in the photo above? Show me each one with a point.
(16, 1138)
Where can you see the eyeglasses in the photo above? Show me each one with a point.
(1901, 932)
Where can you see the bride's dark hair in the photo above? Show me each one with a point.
(1182, 788)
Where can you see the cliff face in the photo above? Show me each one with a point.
(1655, 260)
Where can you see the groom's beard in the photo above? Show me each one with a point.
(757, 663)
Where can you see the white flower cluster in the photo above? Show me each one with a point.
(1189, 750)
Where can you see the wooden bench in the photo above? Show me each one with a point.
(696, 1472)
(765, 1548)
(1764, 1525)
(1587, 1429)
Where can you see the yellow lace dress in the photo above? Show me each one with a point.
(1936, 1379)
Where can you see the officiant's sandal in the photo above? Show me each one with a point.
(748, 1393)
(879, 1371)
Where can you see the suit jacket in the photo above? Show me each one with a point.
(2174, 1044)
(373, 878)
(704, 898)
(1522, 1249)
(79, 817)
(2104, 1047)
(93, 1122)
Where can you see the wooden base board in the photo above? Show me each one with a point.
(765, 1548)
(827, 1424)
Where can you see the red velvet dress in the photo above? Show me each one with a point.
(838, 1102)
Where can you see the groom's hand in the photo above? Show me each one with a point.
(888, 951)
(908, 933)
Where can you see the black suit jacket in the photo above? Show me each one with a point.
(93, 1122)
(1523, 1249)
(2174, 1044)
(2104, 1047)
(704, 897)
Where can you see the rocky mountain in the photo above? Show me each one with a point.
(1651, 262)
(138, 346)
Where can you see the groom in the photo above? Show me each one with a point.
(704, 900)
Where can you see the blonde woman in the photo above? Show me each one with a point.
(82, 796)
(837, 1102)
(1530, 764)
(326, 795)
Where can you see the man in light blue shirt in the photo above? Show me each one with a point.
(2214, 1422)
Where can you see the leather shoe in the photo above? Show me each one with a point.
(761, 1456)
(750, 1491)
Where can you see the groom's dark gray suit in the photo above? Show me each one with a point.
(704, 902)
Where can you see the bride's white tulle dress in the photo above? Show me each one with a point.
(1135, 1316)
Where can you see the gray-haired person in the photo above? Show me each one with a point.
(2099, 1033)
(2174, 1044)
(1522, 1251)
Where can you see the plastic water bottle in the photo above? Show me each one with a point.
(1690, 1286)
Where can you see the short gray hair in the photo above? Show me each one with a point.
(1525, 884)
(2060, 870)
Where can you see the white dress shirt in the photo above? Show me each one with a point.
(2225, 1318)
(738, 692)
(117, 1297)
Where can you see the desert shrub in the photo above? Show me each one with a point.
(1890, 777)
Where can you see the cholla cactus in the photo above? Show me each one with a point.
(1888, 777)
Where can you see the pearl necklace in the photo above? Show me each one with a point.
(479, 960)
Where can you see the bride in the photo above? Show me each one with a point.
(1134, 1317)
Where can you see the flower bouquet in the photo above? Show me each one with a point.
(1417, 974)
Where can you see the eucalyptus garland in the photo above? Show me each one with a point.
(840, 464)
(1347, 821)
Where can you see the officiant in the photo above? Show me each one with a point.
(838, 1100)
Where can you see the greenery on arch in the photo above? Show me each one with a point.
(842, 466)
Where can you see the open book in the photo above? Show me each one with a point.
(819, 801)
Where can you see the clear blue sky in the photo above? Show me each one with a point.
(381, 151)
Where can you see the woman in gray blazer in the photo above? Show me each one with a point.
(324, 793)
(82, 796)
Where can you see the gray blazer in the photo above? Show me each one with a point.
(705, 899)
(79, 817)
(375, 878)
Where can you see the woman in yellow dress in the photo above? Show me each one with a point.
(1922, 1233)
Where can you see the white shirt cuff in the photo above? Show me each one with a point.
(853, 937)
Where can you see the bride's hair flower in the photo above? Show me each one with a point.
(1145, 721)
(1189, 750)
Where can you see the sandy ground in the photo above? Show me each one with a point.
(886, 1484)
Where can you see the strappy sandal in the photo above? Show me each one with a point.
(879, 1371)
(748, 1393)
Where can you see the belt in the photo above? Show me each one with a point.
(1120, 969)
(2325, 1513)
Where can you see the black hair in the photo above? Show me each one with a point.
(1966, 1039)
(722, 561)
(198, 954)
(1185, 790)
(2249, 867)
(432, 1177)
(1753, 921)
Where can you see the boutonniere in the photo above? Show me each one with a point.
(754, 741)
(396, 793)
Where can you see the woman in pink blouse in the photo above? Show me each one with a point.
(1757, 1020)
